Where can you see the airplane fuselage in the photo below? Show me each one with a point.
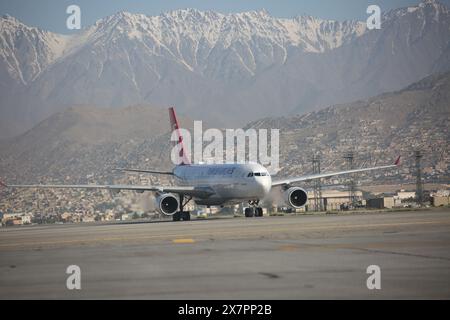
(231, 183)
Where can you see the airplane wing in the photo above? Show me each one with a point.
(289, 181)
(189, 191)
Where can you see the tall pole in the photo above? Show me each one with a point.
(419, 185)
(317, 186)
(349, 156)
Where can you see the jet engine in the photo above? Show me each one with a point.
(167, 204)
(296, 197)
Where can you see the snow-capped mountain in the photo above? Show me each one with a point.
(225, 68)
(26, 51)
(189, 37)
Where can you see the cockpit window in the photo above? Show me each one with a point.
(258, 174)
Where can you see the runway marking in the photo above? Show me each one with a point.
(215, 233)
(183, 241)
(288, 248)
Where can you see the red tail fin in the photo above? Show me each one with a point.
(175, 126)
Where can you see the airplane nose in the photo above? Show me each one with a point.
(265, 184)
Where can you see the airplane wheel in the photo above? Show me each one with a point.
(176, 216)
(249, 212)
(186, 215)
(259, 212)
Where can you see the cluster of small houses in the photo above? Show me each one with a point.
(332, 200)
(441, 198)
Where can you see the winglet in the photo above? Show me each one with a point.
(397, 162)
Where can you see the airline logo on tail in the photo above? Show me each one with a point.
(175, 127)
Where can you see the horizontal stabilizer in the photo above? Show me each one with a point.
(145, 171)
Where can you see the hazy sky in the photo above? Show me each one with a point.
(51, 14)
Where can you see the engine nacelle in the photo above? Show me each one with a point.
(167, 204)
(296, 197)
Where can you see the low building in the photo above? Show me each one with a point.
(405, 195)
(126, 216)
(66, 216)
(16, 218)
(334, 199)
(440, 201)
(16, 222)
(381, 203)
(26, 219)
(88, 219)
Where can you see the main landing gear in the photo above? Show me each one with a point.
(253, 210)
(182, 215)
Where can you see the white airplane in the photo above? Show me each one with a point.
(215, 184)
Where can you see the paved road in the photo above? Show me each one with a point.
(291, 257)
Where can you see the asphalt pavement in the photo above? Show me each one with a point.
(289, 257)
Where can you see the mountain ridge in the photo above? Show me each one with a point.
(215, 66)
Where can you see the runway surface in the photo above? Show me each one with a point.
(290, 257)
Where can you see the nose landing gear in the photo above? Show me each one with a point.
(253, 210)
